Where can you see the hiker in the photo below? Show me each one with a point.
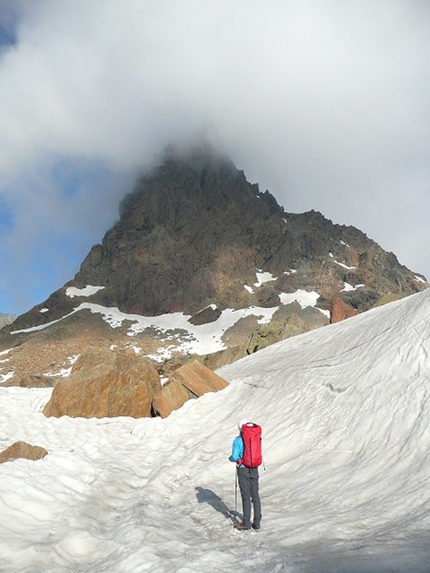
(247, 477)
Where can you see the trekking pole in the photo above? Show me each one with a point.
(235, 491)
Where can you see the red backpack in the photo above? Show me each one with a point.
(252, 452)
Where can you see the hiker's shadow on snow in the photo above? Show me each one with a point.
(208, 496)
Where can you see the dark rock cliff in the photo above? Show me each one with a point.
(193, 233)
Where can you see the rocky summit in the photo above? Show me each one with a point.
(201, 262)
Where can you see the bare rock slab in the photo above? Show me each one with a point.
(172, 396)
(199, 379)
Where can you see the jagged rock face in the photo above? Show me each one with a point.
(194, 232)
(188, 236)
(340, 310)
(191, 237)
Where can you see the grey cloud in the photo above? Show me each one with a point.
(324, 103)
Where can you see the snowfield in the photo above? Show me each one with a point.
(345, 412)
(198, 339)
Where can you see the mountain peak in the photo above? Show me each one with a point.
(196, 238)
(199, 173)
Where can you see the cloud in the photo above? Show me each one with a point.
(323, 103)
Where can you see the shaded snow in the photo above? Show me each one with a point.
(263, 278)
(345, 412)
(304, 298)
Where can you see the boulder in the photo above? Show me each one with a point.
(106, 383)
(172, 396)
(22, 450)
(208, 314)
(340, 310)
(198, 379)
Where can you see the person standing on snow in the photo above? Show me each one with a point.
(248, 485)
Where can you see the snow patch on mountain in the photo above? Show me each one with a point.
(175, 327)
(86, 291)
(5, 377)
(347, 287)
(196, 339)
(303, 297)
(344, 266)
(264, 277)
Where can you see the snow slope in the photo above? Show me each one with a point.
(346, 418)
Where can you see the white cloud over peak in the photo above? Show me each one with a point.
(323, 103)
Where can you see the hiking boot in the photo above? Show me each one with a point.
(241, 526)
(255, 526)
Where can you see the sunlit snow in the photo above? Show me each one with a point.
(196, 339)
(86, 291)
(303, 297)
(347, 287)
(345, 412)
(344, 266)
(5, 377)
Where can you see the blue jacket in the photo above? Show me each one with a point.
(237, 450)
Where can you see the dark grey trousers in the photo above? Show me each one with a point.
(248, 485)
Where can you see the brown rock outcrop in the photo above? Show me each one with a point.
(340, 310)
(22, 450)
(106, 383)
(198, 379)
(172, 396)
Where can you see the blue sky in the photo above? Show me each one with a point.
(324, 103)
